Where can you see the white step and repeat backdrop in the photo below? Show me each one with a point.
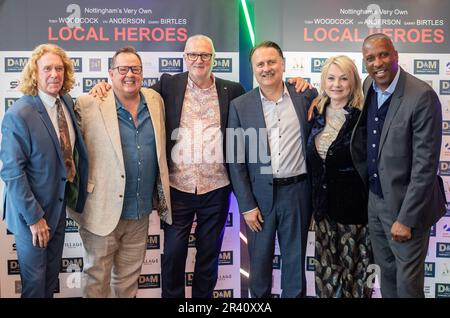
(91, 32)
(311, 31)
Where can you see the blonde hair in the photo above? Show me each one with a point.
(28, 82)
(348, 67)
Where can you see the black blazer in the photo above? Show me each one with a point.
(172, 89)
(337, 189)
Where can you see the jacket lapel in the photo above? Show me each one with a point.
(155, 117)
(111, 122)
(222, 93)
(298, 104)
(49, 125)
(180, 90)
(393, 108)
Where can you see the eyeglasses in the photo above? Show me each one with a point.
(194, 56)
(123, 70)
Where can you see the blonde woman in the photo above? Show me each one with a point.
(343, 250)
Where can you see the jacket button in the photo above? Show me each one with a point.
(63, 179)
(324, 186)
(120, 196)
(60, 199)
(122, 176)
(270, 183)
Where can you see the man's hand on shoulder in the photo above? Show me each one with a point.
(100, 90)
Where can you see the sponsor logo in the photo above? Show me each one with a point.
(447, 68)
(316, 64)
(442, 291)
(191, 241)
(442, 249)
(229, 222)
(364, 69)
(17, 287)
(149, 281)
(433, 230)
(13, 267)
(224, 277)
(188, 278)
(151, 261)
(109, 63)
(13, 247)
(170, 64)
(77, 64)
(223, 293)
(95, 65)
(15, 64)
(446, 127)
(444, 271)
(153, 242)
(444, 87)
(445, 230)
(71, 226)
(222, 65)
(276, 262)
(9, 101)
(73, 244)
(71, 264)
(226, 258)
(149, 81)
(14, 84)
(89, 82)
(426, 67)
(297, 64)
(444, 168)
(430, 269)
(310, 263)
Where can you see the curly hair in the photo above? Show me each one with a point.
(348, 67)
(28, 82)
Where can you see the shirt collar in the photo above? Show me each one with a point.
(391, 87)
(192, 85)
(141, 102)
(48, 100)
(285, 93)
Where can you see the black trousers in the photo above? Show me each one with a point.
(211, 210)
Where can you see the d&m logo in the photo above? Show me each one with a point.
(426, 67)
(446, 127)
(442, 249)
(226, 258)
(222, 65)
(71, 226)
(149, 81)
(13, 267)
(223, 293)
(316, 64)
(191, 241)
(153, 242)
(15, 64)
(149, 281)
(442, 291)
(9, 101)
(77, 64)
(310, 263)
(229, 222)
(188, 278)
(430, 269)
(444, 87)
(170, 64)
(89, 82)
(71, 264)
(276, 262)
(444, 168)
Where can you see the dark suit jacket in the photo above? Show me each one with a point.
(408, 155)
(33, 169)
(251, 187)
(172, 89)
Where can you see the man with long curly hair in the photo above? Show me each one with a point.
(44, 167)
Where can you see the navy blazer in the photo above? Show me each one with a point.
(251, 187)
(33, 168)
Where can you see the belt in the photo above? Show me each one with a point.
(289, 180)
